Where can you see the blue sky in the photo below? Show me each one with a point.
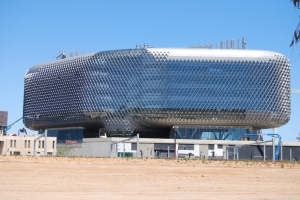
(34, 32)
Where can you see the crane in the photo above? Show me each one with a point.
(9, 126)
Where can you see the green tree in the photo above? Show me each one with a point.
(296, 36)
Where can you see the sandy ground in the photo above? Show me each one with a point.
(105, 178)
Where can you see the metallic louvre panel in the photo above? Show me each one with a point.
(157, 88)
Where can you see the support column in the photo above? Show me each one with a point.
(227, 154)
(34, 147)
(177, 146)
(281, 152)
(273, 147)
(116, 149)
(168, 151)
(174, 128)
(45, 143)
(110, 150)
(123, 149)
(234, 152)
(291, 155)
(264, 150)
(137, 145)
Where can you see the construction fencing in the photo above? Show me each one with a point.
(147, 150)
(90, 149)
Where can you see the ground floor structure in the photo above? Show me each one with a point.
(164, 148)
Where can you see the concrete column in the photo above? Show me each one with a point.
(110, 149)
(137, 145)
(168, 151)
(116, 149)
(227, 154)
(45, 143)
(34, 147)
(6, 150)
(234, 153)
(176, 150)
(123, 149)
(291, 158)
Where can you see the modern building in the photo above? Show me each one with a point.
(209, 94)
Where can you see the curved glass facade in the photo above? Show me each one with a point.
(156, 88)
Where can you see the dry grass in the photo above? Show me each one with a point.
(130, 178)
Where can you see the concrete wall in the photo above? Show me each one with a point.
(24, 145)
(203, 151)
(147, 150)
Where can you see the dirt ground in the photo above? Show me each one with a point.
(106, 178)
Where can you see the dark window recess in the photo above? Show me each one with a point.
(211, 146)
(133, 146)
(69, 134)
(186, 147)
(159, 146)
(220, 146)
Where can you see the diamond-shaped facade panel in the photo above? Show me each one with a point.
(158, 88)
